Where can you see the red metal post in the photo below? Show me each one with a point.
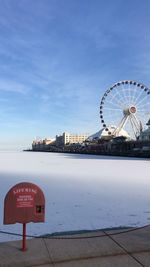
(24, 238)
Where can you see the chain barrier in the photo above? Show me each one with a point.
(79, 237)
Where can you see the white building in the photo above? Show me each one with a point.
(67, 138)
(74, 138)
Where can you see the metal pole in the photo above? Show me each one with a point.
(24, 238)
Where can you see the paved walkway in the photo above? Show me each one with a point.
(123, 250)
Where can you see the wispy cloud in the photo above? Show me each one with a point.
(13, 86)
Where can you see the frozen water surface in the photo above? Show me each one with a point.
(81, 191)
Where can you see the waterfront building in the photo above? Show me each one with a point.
(68, 138)
(42, 144)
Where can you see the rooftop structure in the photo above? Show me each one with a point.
(106, 134)
(45, 141)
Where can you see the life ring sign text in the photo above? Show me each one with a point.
(24, 197)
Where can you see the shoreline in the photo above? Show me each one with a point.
(113, 154)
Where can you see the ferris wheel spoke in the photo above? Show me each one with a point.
(144, 109)
(145, 105)
(124, 99)
(127, 96)
(137, 92)
(124, 94)
(130, 95)
(120, 96)
(114, 120)
(116, 115)
(134, 93)
(131, 100)
(117, 93)
(113, 104)
(138, 97)
(120, 103)
(112, 112)
(141, 101)
(117, 109)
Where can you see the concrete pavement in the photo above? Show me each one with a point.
(123, 250)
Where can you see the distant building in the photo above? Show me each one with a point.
(67, 138)
(59, 140)
(145, 135)
(42, 144)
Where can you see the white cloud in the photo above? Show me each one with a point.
(12, 86)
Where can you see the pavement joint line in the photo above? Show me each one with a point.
(89, 258)
(51, 261)
(125, 250)
(39, 264)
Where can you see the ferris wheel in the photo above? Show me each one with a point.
(125, 106)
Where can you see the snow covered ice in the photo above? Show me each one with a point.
(81, 191)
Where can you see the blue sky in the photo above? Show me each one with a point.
(57, 58)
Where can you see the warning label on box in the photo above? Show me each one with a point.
(25, 200)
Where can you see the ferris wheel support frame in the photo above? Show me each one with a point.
(121, 125)
(132, 125)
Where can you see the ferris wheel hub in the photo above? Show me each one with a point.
(130, 110)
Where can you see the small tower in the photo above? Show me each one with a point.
(148, 123)
(145, 135)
